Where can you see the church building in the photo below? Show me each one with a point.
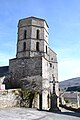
(34, 58)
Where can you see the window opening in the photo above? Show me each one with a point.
(50, 64)
(37, 34)
(24, 46)
(25, 34)
(46, 49)
(37, 46)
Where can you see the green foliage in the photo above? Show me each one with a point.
(26, 97)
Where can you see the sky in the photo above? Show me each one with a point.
(63, 18)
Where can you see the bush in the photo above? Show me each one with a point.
(26, 97)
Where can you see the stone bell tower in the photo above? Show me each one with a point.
(32, 38)
(34, 59)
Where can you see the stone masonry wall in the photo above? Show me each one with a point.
(9, 98)
(25, 67)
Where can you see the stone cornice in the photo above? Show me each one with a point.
(33, 26)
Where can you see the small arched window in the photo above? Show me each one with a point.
(24, 46)
(37, 34)
(25, 32)
(37, 46)
(50, 64)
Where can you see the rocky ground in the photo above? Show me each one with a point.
(33, 114)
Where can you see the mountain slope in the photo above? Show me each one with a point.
(69, 83)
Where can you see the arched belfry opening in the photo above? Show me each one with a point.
(37, 34)
(46, 49)
(37, 46)
(25, 34)
(24, 46)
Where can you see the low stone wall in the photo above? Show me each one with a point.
(70, 108)
(9, 98)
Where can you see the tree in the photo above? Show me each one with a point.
(31, 86)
